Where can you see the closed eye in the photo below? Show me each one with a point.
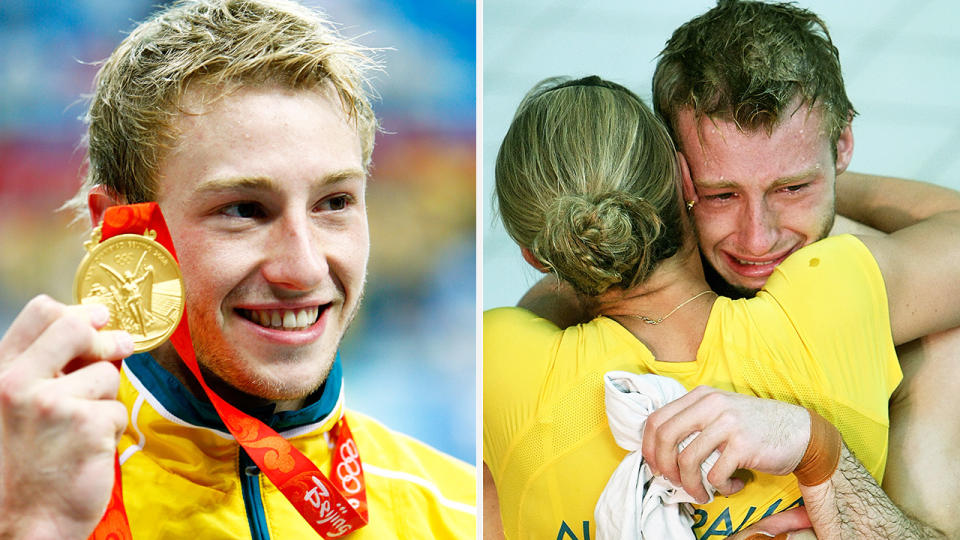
(795, 187)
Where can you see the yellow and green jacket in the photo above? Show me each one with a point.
(184, 476)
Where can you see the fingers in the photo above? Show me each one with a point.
(99, 380)
(697, 452)
(793, 523)
(116, 414)
(653, 435)
(788, 520)
(73, 335)
(98, 424)
(687, 415)
(35, 317)
(803, 534)
(721, 474)
(707, 411)
(750, 432)
(43, 315)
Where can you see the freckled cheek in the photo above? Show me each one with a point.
(349, 260)
(806, 217)
(207, 271)
(715, 225)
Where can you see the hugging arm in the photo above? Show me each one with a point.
(923, 467)
(919, 259)
(889, 204)
(769, 436)
(851, 505)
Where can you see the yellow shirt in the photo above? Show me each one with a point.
(818, 335)
(184, 475)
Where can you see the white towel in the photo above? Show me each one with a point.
(635, 505)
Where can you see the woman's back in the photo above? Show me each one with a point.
(819, 337)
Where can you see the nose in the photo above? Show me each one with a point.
(295, 257)
(758, 228)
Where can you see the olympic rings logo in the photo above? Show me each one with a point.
(349, 470)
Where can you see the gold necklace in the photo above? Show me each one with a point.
(648, 320)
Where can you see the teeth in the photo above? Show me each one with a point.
(285, 319)
(741, 261)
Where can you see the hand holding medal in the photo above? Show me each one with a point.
(60, 418)
(58, 395)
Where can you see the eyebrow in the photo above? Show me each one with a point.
(779, 182)
(265, 183)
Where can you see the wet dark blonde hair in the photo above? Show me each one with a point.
(587, 179)
(223, 44)
(749, 61)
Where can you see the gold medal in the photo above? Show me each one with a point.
(138, 280)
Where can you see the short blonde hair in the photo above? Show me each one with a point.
(587, 179)
(225, 44)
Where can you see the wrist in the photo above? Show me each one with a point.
(822, 455)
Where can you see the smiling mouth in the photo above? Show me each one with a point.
(283, 319)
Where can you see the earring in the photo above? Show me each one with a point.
(690, 205)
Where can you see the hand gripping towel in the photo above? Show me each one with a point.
(635, 505)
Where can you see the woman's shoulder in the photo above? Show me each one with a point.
(841, 260)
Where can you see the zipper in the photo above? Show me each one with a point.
(252, 501)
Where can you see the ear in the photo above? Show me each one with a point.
(844, 148)
(686, 183)
(532, 260)
(98, 200)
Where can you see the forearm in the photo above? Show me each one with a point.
(852, 505)
(890, 204)
(557, 302)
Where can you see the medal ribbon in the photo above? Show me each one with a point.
(333, 508)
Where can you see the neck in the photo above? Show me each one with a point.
(675, 281)
(168, 358)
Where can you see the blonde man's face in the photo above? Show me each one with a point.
(264, 196)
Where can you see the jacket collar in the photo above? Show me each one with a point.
(178, 401)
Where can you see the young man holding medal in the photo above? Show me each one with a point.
(233, 137)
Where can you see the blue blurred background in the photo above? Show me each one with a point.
(409, 358)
